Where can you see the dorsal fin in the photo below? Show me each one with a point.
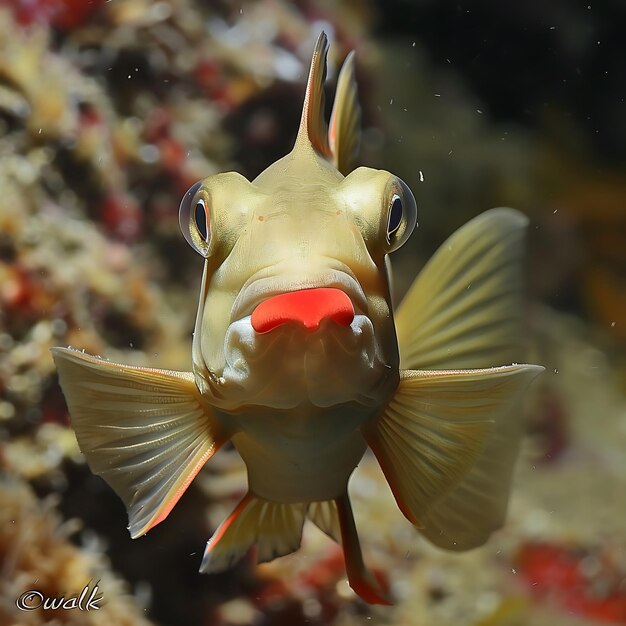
(345, 122)
(312, 124)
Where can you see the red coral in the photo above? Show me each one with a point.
(121, 216)
(560, 573)
(62, 14)
(210, 75)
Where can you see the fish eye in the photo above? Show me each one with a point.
(395, 216)
(401, 215)
(201, 219)
(193, 218)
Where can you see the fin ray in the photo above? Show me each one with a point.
(436, 427)
(149, 463)
(476, 507)
(464, 309)
(313, 126)
(324, 515)
(275, 528)
(344, 133)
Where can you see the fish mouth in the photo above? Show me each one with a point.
(335, 360)
(283, 370)
(265, 284)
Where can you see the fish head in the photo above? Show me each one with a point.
(295, 304)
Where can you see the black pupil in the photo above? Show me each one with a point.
(395, 216)
(201, 220)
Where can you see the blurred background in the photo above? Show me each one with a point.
(111, 109)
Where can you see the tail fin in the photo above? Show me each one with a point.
(275, 528)
(147, 432)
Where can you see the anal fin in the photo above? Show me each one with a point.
(274, 527)
(324, 515)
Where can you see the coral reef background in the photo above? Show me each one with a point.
(110, 110)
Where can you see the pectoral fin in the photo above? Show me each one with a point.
(147, 432)
(438, 427)
(476, 507)
(464, 309)
(275, 528)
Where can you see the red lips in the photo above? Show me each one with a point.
(306, 306)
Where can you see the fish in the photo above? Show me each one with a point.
(300, 360)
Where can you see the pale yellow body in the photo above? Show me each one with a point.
(435, 394)
(300, 457)
(295, 416)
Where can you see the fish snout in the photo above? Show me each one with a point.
(304, 306)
